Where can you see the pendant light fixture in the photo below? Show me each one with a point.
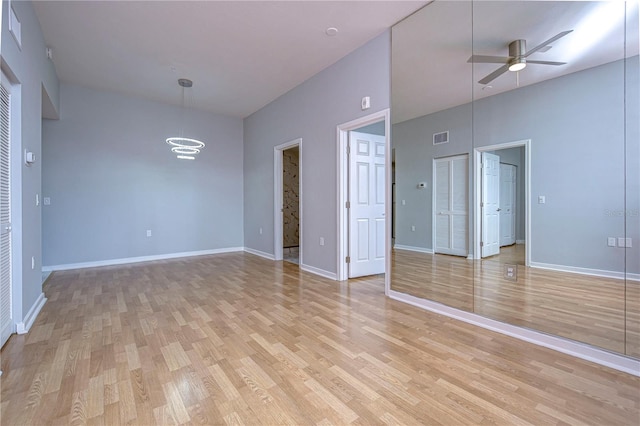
(185, 148)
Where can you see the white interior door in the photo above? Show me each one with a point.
(367, 204)
(490, 204)
(507, 204)
(6, 314)
(451, 195)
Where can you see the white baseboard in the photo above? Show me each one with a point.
(260, 253)
(321, 272)
(24, 326)
(586, 271)
(126, 260)
(569, 347)
(520, 241)
(411, 248)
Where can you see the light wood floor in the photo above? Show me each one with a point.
(599, 311)
(237, 339)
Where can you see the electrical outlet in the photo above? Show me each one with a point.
(321, 241)
(413, 228)
(260, 231)
(611, 241)
(542, 199)
(511, 272)
(148, 232)
(624, 242)
(33, 262)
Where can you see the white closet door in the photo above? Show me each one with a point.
(6, 314)
(451, 195)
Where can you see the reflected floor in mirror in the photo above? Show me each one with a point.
(580, 307)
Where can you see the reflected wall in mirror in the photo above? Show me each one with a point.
(529, 211)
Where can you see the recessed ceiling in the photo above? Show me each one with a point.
(241, 55)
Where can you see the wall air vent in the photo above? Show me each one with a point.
(440, 138)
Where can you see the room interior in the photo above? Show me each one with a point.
(118, 209)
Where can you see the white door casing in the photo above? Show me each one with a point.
(450, 201)
(278, 199)
(526, 144)
(367, 224)
(342, 237)
(6, 300)
(490, 204)
(507, 204)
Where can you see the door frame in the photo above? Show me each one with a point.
(433, 199)
(342, 137)
(278, 189)
(477, 195)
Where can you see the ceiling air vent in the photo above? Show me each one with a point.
(440, 138)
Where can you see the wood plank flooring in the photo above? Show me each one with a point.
(603, 312)
(237, 339)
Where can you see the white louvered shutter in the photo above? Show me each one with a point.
(6, 315)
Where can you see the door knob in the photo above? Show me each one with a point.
(498, 210)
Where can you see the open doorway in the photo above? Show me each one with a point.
(288, 202)
(291, 205)
(363, 177)
(502, 202)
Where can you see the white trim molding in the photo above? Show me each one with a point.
(320, 272)
(569, 347)
(587, 271)
(24, 326)
(411, 248)
(259, 253)
(124, 261)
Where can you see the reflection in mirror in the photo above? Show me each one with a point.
(524, 130)
(431, 140)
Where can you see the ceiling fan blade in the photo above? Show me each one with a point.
(488, 79)
(546, 62)
(548, 42)
(489, 59)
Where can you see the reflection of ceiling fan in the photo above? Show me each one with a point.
(517, 58)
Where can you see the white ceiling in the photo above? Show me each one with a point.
(241, 55)
(430, 49)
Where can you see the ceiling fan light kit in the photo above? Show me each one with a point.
(517, 59)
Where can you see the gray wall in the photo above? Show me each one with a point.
(37, 79)
(111, 176)
(414, 154)
(311, 111)
(576, 125)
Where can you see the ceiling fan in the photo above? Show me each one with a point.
(517, 59)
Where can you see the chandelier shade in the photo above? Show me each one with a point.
(185, 148)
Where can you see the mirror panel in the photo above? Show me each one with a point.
(423, 108)
(524, 212)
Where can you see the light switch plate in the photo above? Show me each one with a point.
(611, 242)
